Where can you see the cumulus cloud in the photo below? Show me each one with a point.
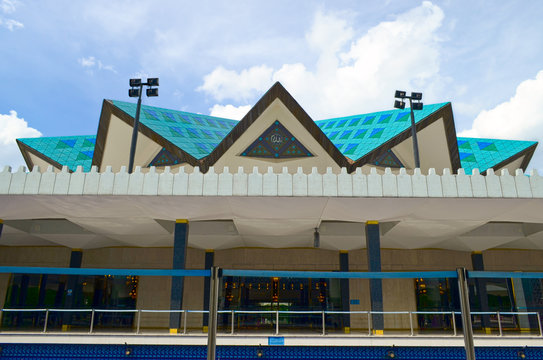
(8, 7)
(519, 118)
(91, 63)
(228, 84)
(229, 111)
(11, 128)
(351, 74)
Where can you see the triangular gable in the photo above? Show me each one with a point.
(484, 154)
(71, 151)
(358, 135)
(165, 158)
(276, 93)
(276, 143)
(364, 138)
(184, 135)
(195, 134)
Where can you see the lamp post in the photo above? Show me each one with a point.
(417, 105)
(136, 87)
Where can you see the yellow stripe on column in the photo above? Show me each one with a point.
(372, 222)
(182, 221)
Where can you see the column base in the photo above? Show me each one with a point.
(174, 331)
(378, 332)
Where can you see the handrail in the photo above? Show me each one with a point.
(278, 313)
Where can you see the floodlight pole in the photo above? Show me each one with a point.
(414, 135)
(137, 85)
(135, 134)
(400, 104)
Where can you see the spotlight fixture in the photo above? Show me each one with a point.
(316, 238)
(390, 354)
(127, 350)
(521, 354)
(399, 103)
(259, 352)
(136, 87)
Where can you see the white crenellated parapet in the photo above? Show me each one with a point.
(222, 182)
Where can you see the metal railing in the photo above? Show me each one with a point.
(276, 314)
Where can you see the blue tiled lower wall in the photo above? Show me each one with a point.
(65, 351)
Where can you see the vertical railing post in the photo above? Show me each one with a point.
(213, 308)
(233, 322)
(139, 322)
(92, 322)
(276, 322)
(499, 322)
(185, 314)
(411, 323)
(539, 323)
(323, 323)
(46, 320)
(369, 323)
(454, 322)
(466, 314)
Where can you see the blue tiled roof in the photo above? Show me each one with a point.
(357, 135)
(196, 134)
(66, 150)
(486, 153)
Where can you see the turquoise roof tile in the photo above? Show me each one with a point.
(71, 151)
(195, 134)
(372, 130)
(355, 136)
(484, 154)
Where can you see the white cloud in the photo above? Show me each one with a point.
(9, 7)
(229, 111)
(11, 128)
(351, 74)
(92, 63)
(227, 84)
(519, 118)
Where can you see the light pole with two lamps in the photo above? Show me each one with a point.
(136, 87)
(417, 105)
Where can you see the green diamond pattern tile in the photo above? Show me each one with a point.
(71, 151)
(484, 154)
(372, 130)
(196, 134)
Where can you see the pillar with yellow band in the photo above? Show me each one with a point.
(180, 244)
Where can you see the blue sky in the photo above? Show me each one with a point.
(60, 59)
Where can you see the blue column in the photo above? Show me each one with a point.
(180, 241)
(373, 249)
(76, 257)
(344, 287)
(210, 255)
(480, 286)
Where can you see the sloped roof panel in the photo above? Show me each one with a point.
(487, 153)
(195, 134)
(71, 151)
(360, 134)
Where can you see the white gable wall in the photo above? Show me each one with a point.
(117, 146)
(276, 111)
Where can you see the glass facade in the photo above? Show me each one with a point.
(33, 292)
(283, 294)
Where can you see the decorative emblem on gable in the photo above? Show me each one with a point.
(276, 143)
(388, 159)
(165, 158)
